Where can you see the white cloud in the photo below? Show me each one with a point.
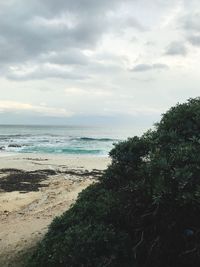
(43, 71)
(86, 92)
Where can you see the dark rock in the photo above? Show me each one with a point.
(14, 145)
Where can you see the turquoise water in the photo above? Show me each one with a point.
(72, 140)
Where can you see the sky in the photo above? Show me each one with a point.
(97, 62)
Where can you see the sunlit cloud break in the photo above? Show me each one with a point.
(12, 106)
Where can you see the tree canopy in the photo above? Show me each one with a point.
(145, 209)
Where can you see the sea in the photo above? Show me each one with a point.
(68, 140)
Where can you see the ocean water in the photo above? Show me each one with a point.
(71, 140)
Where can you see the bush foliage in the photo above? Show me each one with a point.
(144, 211)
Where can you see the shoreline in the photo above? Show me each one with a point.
(34, 189)
(8, 153)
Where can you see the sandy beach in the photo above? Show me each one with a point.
(34, 188)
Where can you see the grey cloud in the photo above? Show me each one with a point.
(142, 67)
(191, 22)
(159, 66)
(86, 6)
(33, 27)
(133, 23)
(28, 40)
(194, 40)
(176, 48)
(191, 25)
(69, 57)
(53, 31)
(49, 8)
(148, 67)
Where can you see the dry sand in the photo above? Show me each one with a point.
(28, 207)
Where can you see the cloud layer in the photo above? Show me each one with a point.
(98, 58)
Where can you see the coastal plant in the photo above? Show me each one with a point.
(144, 211)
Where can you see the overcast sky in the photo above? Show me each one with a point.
(92, 61)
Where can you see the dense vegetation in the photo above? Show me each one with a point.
(145, 210)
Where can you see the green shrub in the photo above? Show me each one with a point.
(144, 211)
